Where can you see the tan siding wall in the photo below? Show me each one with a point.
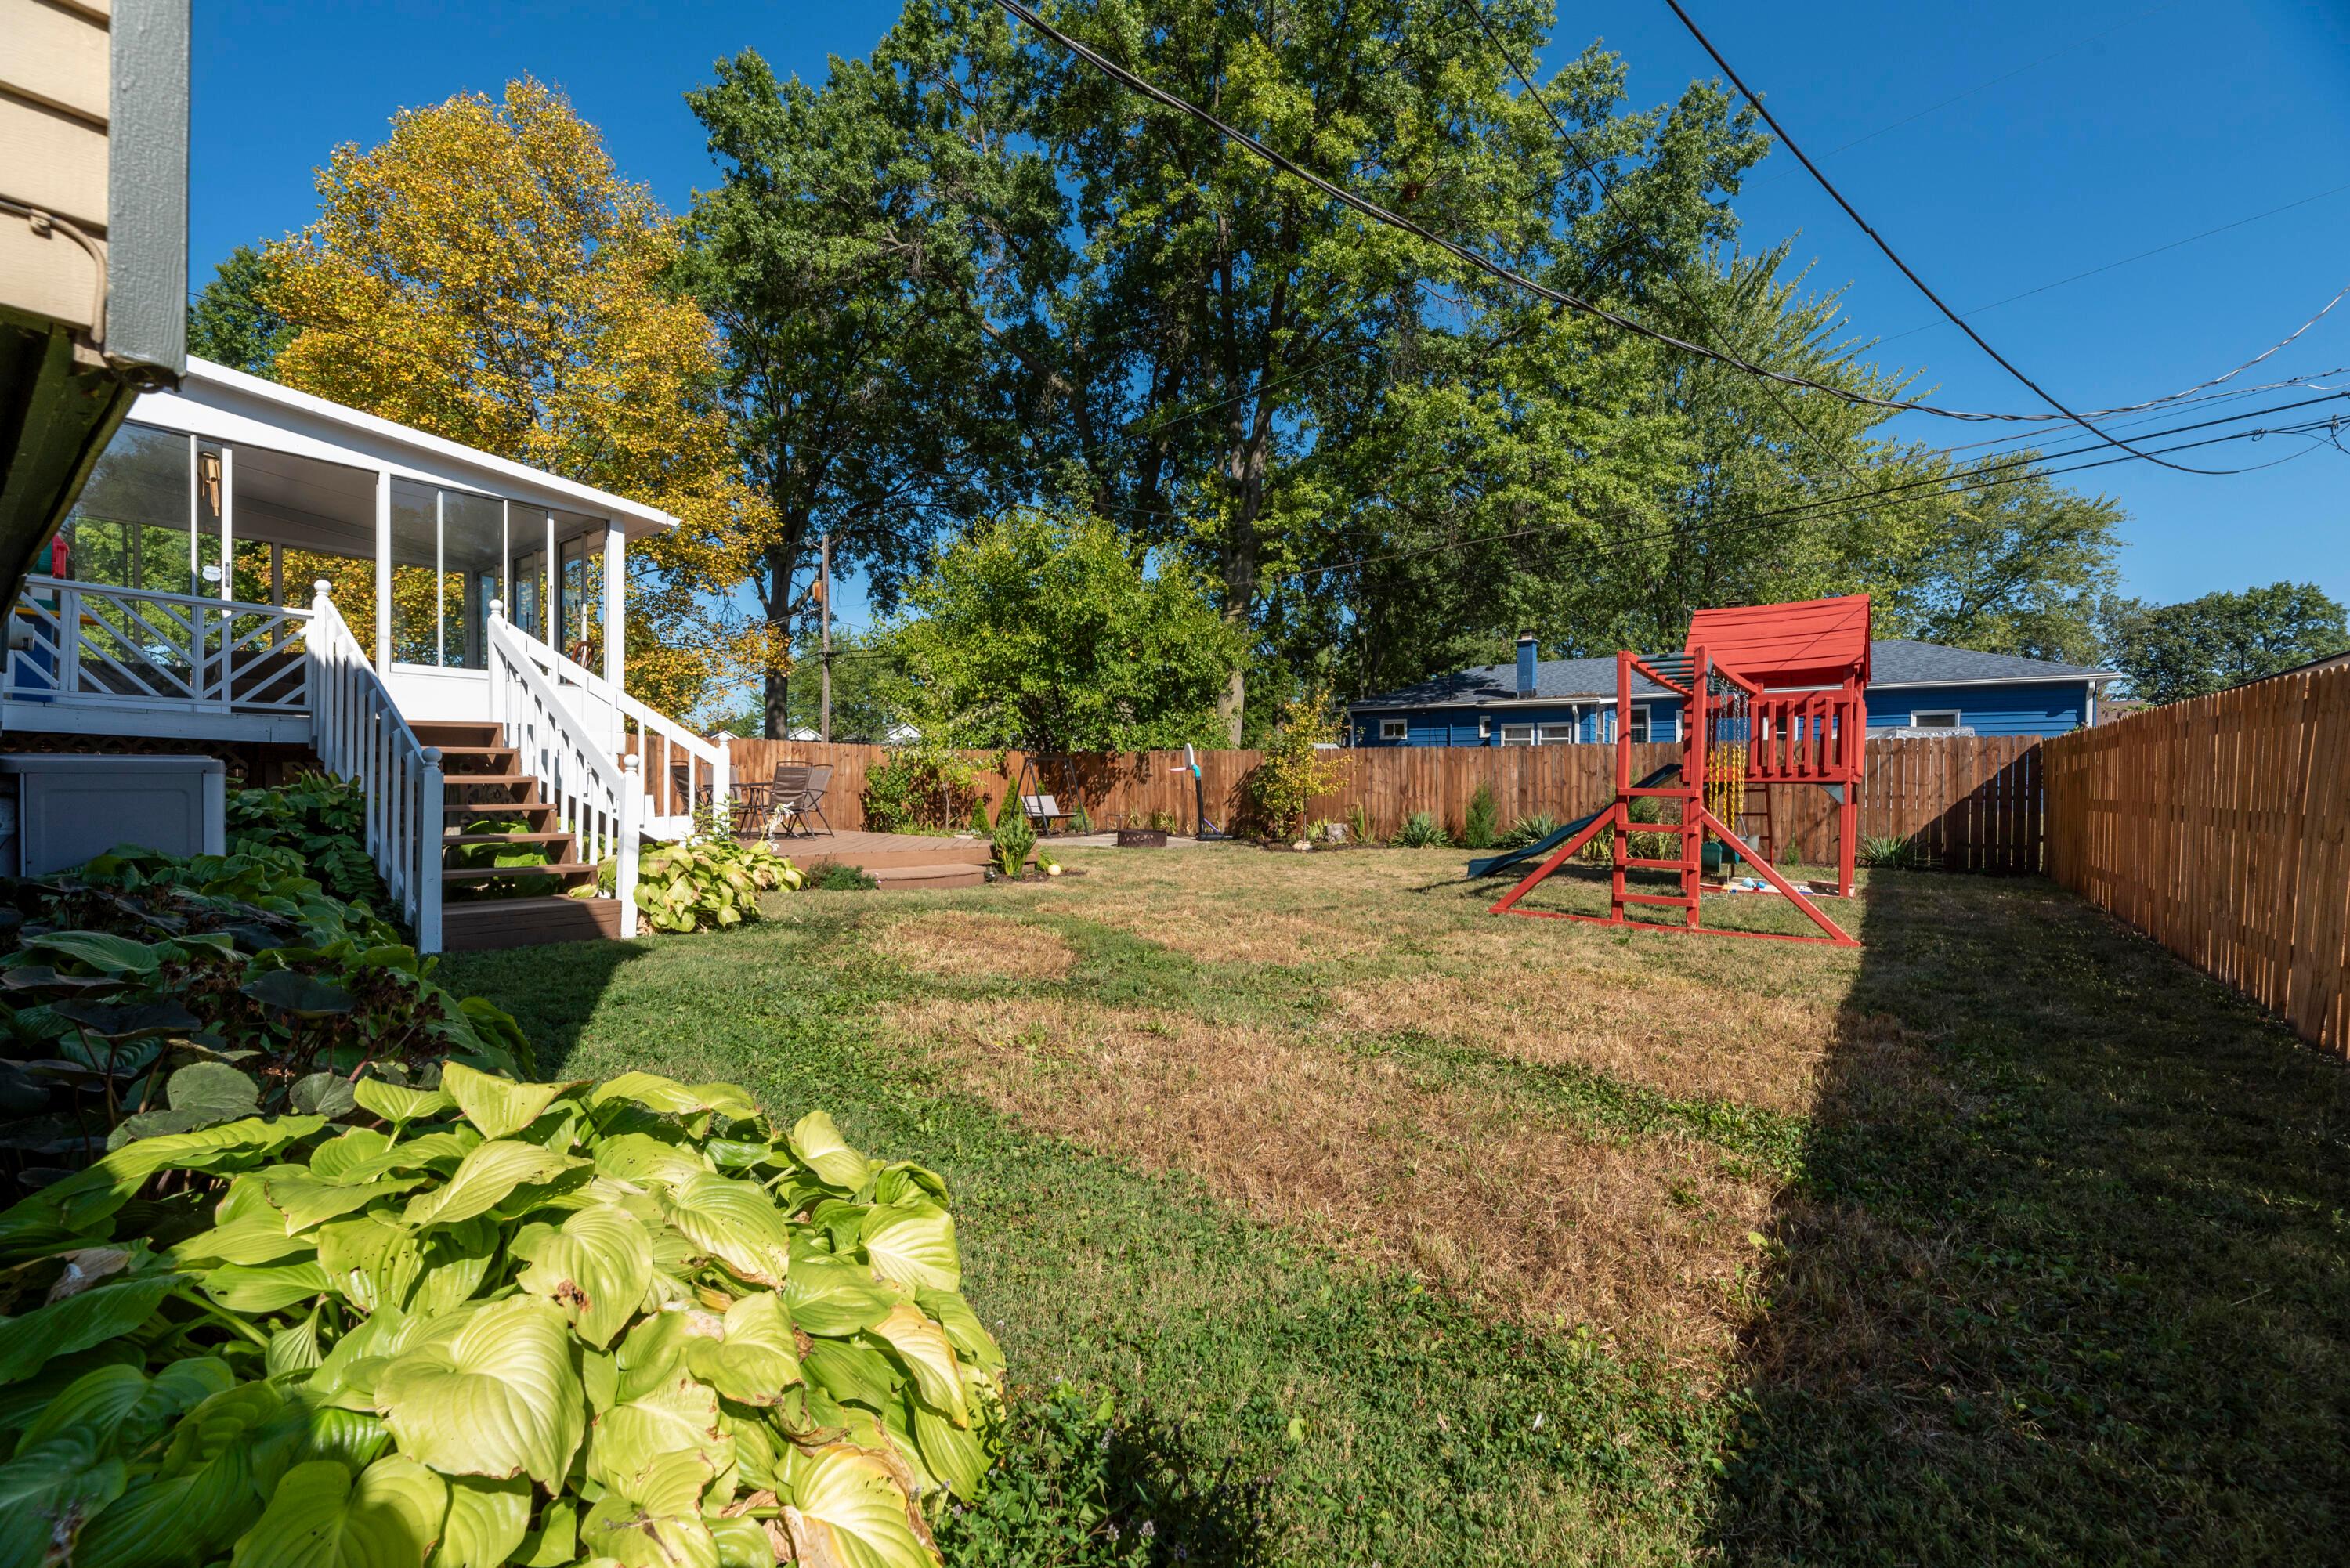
(54, 78)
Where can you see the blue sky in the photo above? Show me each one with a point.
(2080, 135)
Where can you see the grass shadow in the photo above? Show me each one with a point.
(553, 991)
(2072, 1285)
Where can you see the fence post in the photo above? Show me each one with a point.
(429, 833)
(624, 879)
(721, 783)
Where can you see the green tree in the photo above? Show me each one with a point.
(1043, 632)
(2019, 566)
(840, 255)
(863, 667)
(231, 323)
(2171, 652)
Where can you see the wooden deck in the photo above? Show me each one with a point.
(901, 861)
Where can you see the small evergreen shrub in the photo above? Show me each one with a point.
(1014, 837)
(1889, 853)
(1479, 824)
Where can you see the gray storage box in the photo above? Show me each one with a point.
(70, 808)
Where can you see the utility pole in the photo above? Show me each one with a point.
(824, 655)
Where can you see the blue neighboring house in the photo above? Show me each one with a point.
(1914, 688)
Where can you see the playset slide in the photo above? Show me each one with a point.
(1494, 865)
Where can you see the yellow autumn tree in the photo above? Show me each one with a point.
(485, 275)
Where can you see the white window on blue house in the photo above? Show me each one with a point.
(1639, 723)
(1392, 730)
(1934, 718)
(1517, 734)
(1555, 734)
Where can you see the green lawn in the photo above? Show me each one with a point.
(1392, 1231)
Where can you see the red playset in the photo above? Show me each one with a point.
(1770, 694)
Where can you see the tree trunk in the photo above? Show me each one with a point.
(779, 723)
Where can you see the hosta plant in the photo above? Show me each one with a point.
(489, 1321)
(708, 882)
(144, 994)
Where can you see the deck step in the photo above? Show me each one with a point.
(448, 733)
(498, 808)
(551, 837)
(560, 870)
(527, 922)
(922, 878)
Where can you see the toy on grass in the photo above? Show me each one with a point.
(1771, 694)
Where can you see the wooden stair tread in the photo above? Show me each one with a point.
(497, 807)
(940, 873)
(550, 837)
(491, 923)
(565, 870)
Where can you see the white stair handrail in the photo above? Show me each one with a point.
(597, 798)
(665, 744)
(359, 733)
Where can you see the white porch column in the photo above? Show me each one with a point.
(383, 568)
(552, 599)
(615, 605)
(228, 524)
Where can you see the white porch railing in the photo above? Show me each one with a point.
(360, 736)
(93, 645)
(597, 796)
(681, 770)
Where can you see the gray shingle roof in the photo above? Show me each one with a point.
(1893, 662)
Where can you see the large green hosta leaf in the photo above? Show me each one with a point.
(922, 1346)
(267, 1288)
(372, 1262)
(835, 1297)
(484, 1178)
(757, 1359)
(49, 1492)
(913, 1245)
(319, 1517)
(819, 1146)
(646, 1160)
(734, 1221)
(487, 1520)
(305, 1200)
(619, 1530)
(847, 1509)
(499, 1107)
(673, 1098)
(78, 1322)
(201, 1496)
(496, 1397)
(397, 1103)
(663, 1436)
(597, 1268)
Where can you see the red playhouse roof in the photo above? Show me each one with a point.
(1816, 642)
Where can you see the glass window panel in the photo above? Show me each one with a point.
(582, 602)
(415, 574)
(472, 548)
(129, 527)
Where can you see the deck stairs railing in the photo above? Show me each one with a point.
(597, 794)
(681, 769)
(358, 734)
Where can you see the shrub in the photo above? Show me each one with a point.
(1646, 809)
(979, 822)
(319, 819)
(1295, 768)
(1358, 823)
(1481, 822)
(147, 994)
(1889, 853)
(628, 1321)
(1081, 821)
(1014, 837)
(921, 788)
(843, 879)
(1420, 830)
(703, 883)
(1531, 828)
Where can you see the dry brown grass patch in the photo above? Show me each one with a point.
(1643, 1238)
(961, 946)
(1680, 1036)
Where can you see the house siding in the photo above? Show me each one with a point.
(2039, 708)
(2051, 707)
(1459, 726)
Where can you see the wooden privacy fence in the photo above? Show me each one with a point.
(2220, 827)
(1969, 803)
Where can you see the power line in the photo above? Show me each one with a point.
(1989, 474)
(1895, 257)
(1484, 264)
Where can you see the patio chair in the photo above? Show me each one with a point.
(784, 800)
(1044, 811)
(811, 801)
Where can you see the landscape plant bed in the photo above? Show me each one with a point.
(1289, 846)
